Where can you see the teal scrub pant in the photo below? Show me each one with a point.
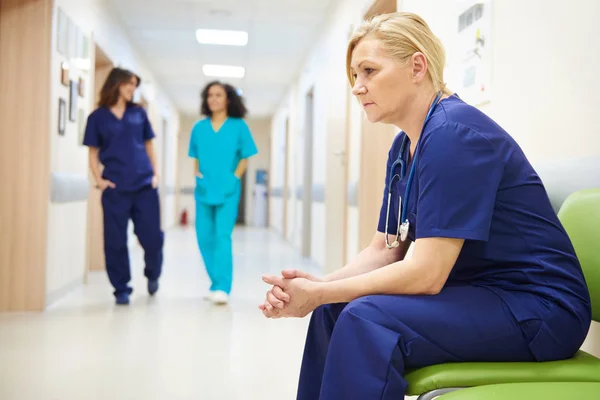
(214, 227)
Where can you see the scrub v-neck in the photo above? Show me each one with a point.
(220, 127)
(115, 115)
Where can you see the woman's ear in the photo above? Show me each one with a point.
(418, 63)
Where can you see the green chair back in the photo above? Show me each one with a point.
(580, 215)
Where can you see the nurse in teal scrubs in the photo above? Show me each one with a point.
(221, 144)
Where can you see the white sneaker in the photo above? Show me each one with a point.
(209, 296)
(219, 297)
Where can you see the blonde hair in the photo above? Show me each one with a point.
(403, 34)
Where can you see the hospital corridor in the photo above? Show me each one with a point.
(299, 199)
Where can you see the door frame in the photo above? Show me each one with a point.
(307, 182)
(95, 261)
(286, 169)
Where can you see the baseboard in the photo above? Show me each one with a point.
(58, 294)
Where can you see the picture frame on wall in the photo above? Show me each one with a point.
(81, 87)
(81, 121)
(78, 43)
(62, 33)
(64, 74)
(62, 116)
(73, 101)
(71, 39)
(86, 47)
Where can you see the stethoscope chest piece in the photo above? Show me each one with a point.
(404, 230)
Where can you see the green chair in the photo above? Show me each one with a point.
(528, 391)
(580, 215)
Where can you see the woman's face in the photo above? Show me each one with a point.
(217, 98)
(383, 86)
(127, 89)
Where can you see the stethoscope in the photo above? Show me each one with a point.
(402, 228)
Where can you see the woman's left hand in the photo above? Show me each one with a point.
(154, 181)
(304, 297)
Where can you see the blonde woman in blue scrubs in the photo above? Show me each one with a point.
(221, 144)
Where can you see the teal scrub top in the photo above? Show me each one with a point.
(218, 154)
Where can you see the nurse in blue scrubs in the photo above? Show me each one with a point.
(119, 137)
(221, 144)
(493, 275)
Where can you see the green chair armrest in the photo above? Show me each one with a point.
(529, 391)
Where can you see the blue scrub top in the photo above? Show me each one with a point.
(122, 146)
(472, 181)
(218, 155)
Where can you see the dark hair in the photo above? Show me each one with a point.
(235, 102)
(109, 94)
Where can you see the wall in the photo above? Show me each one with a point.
(66, 261)
(261, 131)
(277, 169)
(544, 100)
(25, 31)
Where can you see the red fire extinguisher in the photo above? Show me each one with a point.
(184, 218)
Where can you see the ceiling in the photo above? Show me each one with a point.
(281, 35)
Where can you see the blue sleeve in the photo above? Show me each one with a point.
(148, 132)
(459, 172)
(247, 145)
(92, 136)
(192, 150)
(393, 221)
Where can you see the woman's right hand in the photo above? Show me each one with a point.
(276, 297)
(104, 183)
(199, 175)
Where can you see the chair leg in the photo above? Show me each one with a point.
(437, 392)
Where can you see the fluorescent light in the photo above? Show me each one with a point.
(227, 38)
(224, 71)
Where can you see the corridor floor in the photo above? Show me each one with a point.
(175, 346)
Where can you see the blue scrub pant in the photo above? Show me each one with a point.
(362, 349)
(143, 208)
(214, 226)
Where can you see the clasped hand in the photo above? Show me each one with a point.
(294, 294)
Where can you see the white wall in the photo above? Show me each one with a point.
(277, 166)
(67, 229)
(544, 91)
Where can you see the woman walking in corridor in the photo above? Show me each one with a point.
(221, 144)
(119, 136)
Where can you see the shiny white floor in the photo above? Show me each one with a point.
(175, 346)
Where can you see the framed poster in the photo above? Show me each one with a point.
(71, 39)
(62, 116)
(86, 47)
(79, 43)
(62, 31)
(64, 74)
(81, 126)
(472, 72)
(73, 95)
(81, 87)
